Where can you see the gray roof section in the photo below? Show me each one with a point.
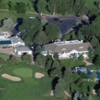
(16, 39)
(67, 47)
(22, 48)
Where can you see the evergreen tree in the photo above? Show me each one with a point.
(41, 6)
(53, 32)
(56, 56)
(40, 60)
(59, 89)
(39, 40)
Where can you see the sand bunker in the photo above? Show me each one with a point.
(12, 78)
(39, 75)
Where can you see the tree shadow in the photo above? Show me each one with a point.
(54, 82)
(97, 86)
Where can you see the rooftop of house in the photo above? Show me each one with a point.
(16, 39)
(67, 46)
(22, 48)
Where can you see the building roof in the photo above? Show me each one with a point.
(67, 47)
(22, 48)
(16, 39)
(5, 42)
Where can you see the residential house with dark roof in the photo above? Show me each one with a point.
(67, 49)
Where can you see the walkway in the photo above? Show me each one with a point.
(87, 63)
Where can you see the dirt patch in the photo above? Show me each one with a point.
(12, 78)
(39, 75)
(93, 92)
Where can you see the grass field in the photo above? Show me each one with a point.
(13, 15)
(90, 3)
(71, 63)
(27, 89)
(23, 72)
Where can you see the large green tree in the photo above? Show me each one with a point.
(29, 28)
(41, 6)
(59, 89)
(27, 59)
(20, 7)
(53, 32)
(7, 24)
(40, 60)
(54, 6)
(40, 38)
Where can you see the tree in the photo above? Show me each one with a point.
(94, 41)
(98, 93)
(39, 40)
(3, 4)
(54, 6)
(81, 58)
(12, 60)
(41, 6)
(27, 58)
(55, 72)
(59, 89)
(49, 64)
(11, 5)
(56, 64)
(93, 76)
(79, 7)
(2, 61)
(91, 53)
(62, 9)
(20, 7)
(37, 49)
(67, 75)
(83, 76)
(29, 28)
(97, 61)
(53, 32)
(75, 56)
(56, 56)
(90, 97)
(40, 60)
(7, 24)
(97, 50)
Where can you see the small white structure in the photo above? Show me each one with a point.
(67, 49)
(20, 50)
(17, 41)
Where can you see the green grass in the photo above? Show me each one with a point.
(14, 16)
(23, 72)
(71, 63)
(27, 89)
(6, 57)
(90, 3)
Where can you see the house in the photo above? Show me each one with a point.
(20, 50)
(17, 41)
(67, 49)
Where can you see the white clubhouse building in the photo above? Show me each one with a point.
(66, 49)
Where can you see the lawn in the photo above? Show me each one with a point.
(90, 3)
(6, 57)
(14, 16)
(29, 88)
(23, 72)
(71, 63)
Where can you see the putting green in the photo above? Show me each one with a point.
(23, 72)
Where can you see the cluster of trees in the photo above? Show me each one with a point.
(62, 6)
(34, 32)
(81, 96)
